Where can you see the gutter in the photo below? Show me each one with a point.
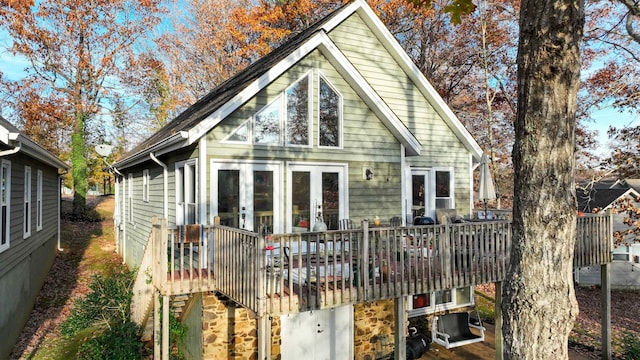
(165, 185)
(165, 145)
(12, 151)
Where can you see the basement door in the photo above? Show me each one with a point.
(318, 335)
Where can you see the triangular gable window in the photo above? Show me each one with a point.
(242, 134)
(297, 123)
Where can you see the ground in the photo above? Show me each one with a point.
(89, 248)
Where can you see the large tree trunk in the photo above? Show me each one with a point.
(79, 167)
(539, 305)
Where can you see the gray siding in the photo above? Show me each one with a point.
(440, 146)
(366, 142)
(25, 264)
(137, 232)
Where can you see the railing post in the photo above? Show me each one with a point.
(364, 270)
(260, 266)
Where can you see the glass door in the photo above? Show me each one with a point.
(186, 193)
(431, 189)
(246, 195)
(316, 194)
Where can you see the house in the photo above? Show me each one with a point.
(29, 227)
(334, 130)
(600, 198)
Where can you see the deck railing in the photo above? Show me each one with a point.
(285, 273)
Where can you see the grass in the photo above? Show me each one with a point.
(88, 248)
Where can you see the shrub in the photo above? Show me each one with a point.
(630, 346)
(104, 314)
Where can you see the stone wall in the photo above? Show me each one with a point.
(228, 332)
(373, 329)
(231, 332)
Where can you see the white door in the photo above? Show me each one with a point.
(430, 189)
(316, 192)
(318, 335)
(247, 195)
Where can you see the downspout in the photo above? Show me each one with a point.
(117, 223)
(59, 209)
(166, 184)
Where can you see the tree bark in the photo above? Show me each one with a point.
(539, 305)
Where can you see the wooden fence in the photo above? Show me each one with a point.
(284, 273)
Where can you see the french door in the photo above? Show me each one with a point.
(315, 192)
(246, 195)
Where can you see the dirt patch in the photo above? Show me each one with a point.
(88, 249)
(585, 338)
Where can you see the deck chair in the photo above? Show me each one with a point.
(454, 329)
(345, 224)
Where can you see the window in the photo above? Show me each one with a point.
(27, 202)
(145, 185)
(39, 201)
(297, 122)
(5, 200)
(186, 193)
(284, 121)
(444, 198)
(267, 124)
(330, 105)
(440, 300)
(130, 196)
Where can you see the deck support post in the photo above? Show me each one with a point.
(157, 352)
(165, 327)
(400, 336)
(605, 309)
(264, 337)
(498, 321)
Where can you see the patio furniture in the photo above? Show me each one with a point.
(454, 329)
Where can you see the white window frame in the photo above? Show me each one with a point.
(39, 180)
(316, 169)
(5, 203)
(145, 185)
(26, 214)
(284, 117)
(340, 113)
(130, 198)
(246, 195)
(186, 169)
(433, 307)
(280, 102)
(430, 203)
(452, 195)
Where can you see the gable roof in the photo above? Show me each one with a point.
(210, 110)
(12, 138)
(600, 199)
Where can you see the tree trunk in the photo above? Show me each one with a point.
(539, 305)
(79, 164)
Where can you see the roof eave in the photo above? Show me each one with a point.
(173, 142)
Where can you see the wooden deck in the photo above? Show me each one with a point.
(285, 273)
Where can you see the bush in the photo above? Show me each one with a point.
(104, 312)
(630, 346)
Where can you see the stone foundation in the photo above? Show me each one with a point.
(373, 329)
(231, 332)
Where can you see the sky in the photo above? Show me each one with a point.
(12, 68)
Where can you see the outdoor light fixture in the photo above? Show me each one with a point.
(367, 173)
